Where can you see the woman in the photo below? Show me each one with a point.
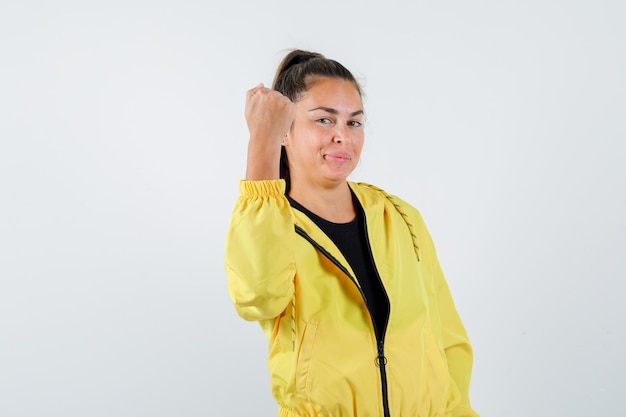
(342, 277)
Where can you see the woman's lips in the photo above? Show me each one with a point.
(337, 157)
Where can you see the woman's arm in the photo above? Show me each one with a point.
(261, 238)
(456, 344)
(269, 116)
(260, 248)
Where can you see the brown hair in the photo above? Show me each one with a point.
(293, 78)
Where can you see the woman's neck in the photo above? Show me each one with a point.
(333, 203)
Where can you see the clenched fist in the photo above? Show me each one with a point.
(269, 115)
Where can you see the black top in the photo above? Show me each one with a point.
(352, 240)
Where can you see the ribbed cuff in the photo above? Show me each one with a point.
(262, 188)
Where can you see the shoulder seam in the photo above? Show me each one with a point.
(398, 208)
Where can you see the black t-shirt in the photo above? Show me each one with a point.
(352, 241)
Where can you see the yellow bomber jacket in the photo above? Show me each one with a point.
(285, 273)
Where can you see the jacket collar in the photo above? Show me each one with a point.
(372, 202)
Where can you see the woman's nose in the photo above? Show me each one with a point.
(340, 134)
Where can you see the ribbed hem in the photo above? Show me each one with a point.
(284, 412)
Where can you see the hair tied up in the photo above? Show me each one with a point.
(304, 58)
(297, 59)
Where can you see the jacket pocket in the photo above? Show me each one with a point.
(305, 357)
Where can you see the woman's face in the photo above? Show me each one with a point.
(325, 141)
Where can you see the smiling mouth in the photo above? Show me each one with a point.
(337, 158)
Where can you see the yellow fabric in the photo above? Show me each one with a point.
(322, 349)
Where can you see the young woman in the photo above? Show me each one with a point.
(342, 277)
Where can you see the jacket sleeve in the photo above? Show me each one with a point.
(456, 344)
(260, 245)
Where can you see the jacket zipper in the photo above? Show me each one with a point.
(381, 360)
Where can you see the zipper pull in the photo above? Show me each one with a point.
(381, 359)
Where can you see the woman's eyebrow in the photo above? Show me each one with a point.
(333, 111)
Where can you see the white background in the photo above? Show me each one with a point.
(122, 141)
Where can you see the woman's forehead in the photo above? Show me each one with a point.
(332, 93)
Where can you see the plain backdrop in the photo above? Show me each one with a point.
(122, 141)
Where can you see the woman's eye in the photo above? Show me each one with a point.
(324, 120)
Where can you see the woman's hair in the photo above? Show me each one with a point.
(293, 78)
